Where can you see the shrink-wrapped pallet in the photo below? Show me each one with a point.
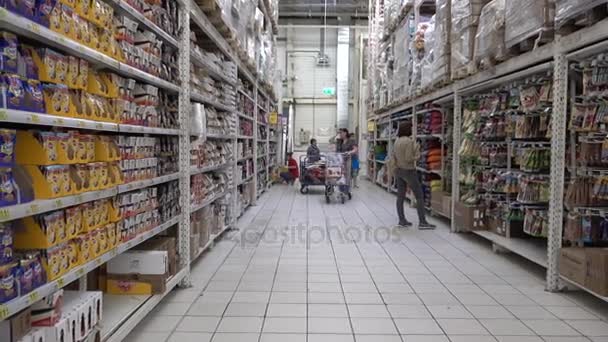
(528, 20)
(401, 58)
(441, 52)
(566, 10)
(426, 65)
(418, 51)
(465, 18)
(490, 39)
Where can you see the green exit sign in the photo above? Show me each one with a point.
(329, 91)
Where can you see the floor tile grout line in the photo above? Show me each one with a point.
(415, 293)
(373, 281)
(276, 269)
(247, 267)
(203, 289)
(331, 243)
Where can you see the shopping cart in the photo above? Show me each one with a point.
(337, 176)
(312, 173)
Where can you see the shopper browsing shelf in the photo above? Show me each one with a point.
(293, 172)
(403, 164)
(355, 165)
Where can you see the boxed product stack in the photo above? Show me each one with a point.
(587, 267)
(578, 12)
(465, 18)
(490, 39)
(142, 272)
(528, 23)
(441, 50)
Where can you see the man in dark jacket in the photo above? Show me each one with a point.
(313, 153)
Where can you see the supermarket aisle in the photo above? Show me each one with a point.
(302, 270)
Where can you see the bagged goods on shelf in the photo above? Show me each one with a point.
(525, 19)
(465, 18)
(401, 61)
(426, 64)
(441, 50)
(490, 39)
(566, 10)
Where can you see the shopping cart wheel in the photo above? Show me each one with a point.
(304, 189)
(350, 196)
(327, 199)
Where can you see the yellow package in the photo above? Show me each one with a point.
(83, 75)
(67, 21)
(52, 261)
(88, 216)
(71, 3)
(83, 8)
(76, 108)
(79, 174)
(52, 66)
(55, 19)
(105, 37)
(97, 213)
(72, 249)
(94, 37)
(41, 231)
(111, 82)
(103, 176)
(112, 235)
(96, 84)
(57, 99)
(66, 180)
(73, 64)
(102, 238)
(94, 243)
(84, 248)
(73, 221)
(67, 148)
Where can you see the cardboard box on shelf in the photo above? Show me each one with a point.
(140, 262)
(16, 327)
(573, 264)
(136, 284)
(597, 270)
(159, 243)
(469, 218)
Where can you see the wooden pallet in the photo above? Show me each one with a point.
(209, 6)
(543, 37)
(584, 19)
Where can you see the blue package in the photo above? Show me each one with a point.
(8, 52)
(44, 8)
(6, 243)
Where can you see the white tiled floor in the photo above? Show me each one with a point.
(301, 270)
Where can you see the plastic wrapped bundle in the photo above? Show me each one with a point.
(490, 39)
(426, 65)
(401, 58)
(465, 18)
(526, 19)
(566, 10)
(418, 50)
(441, 52)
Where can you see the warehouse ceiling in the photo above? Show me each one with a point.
(316, 8)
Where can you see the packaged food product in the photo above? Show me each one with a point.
(66, 180)
(8, 52)
(30, 68)
(44, 11)
(8, 189)
(7, 146)
(54, 178)
(73, 221)
(6, 243)
(14, 92)
(72, 253)
(34, 98)
(33, 275)
(8, 284)
(56, 99)
(49, 142)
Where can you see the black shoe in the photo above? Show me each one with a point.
(405, 224)
(426, 226)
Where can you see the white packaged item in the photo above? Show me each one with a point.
(490, 39)
(60, 332)
(525, 19)
(441, 50)
(140, 262)
(566, 10)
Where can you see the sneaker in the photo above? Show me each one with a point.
(404, 224)
(426, 226)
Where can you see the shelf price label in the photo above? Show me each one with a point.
(33, 297)
(60, 283)
(5, 214)
(35, 118)
(4, 312)
(3, 115)
(34, 28)
(80, 272)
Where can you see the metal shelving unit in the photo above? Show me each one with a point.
(123, 315)
(554, 55)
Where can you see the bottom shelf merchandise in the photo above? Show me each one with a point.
(207, 224)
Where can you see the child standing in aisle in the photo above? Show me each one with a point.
(355, 165)
(293, 172)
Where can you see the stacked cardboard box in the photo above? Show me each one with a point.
(528, 22)
(465, 18)
(587, 267)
